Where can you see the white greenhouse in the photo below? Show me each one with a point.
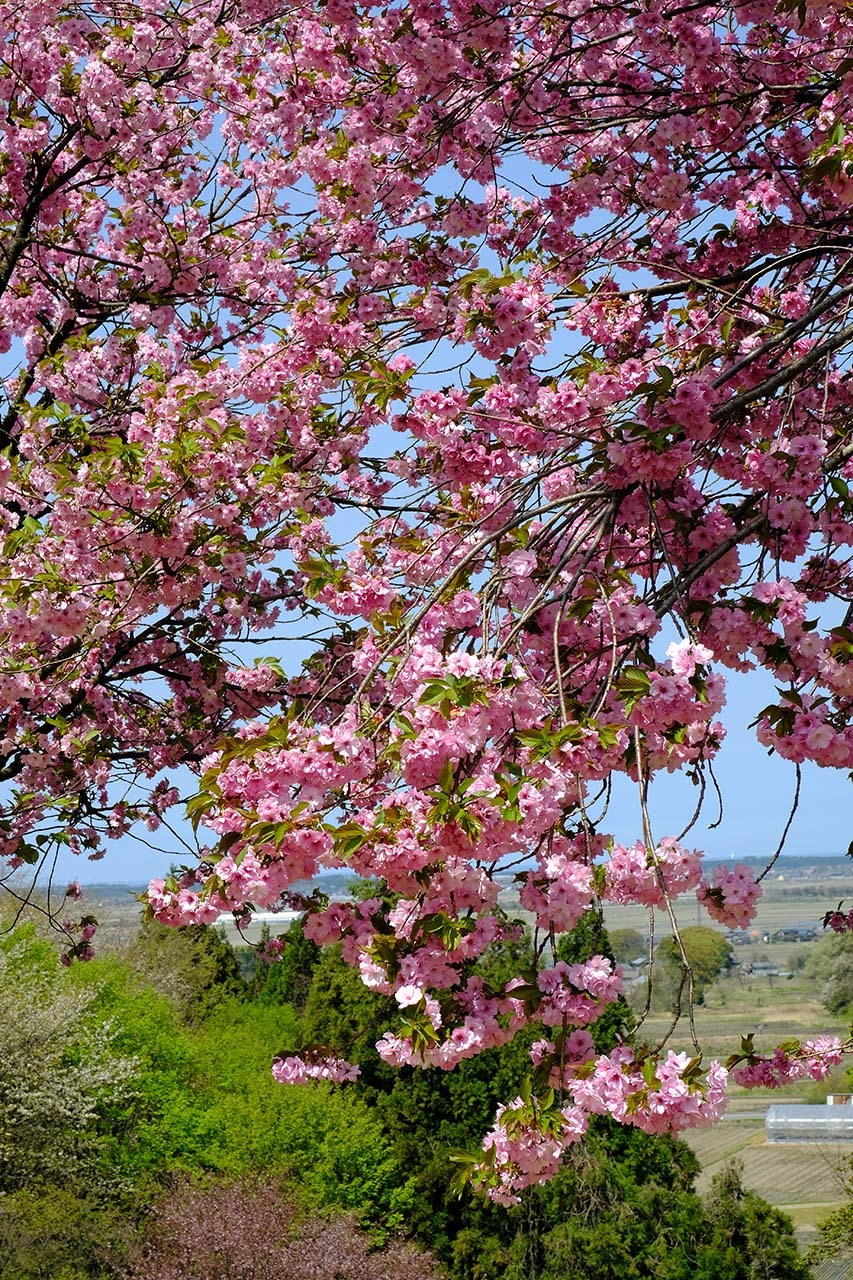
(801, 1122)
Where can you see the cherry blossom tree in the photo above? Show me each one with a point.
(480, 348)
(254, 1232)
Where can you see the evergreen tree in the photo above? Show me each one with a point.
(622, 1207)
(748, 1238)
(287, 980)
(194, 966)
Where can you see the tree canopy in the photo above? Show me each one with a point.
(708, 955)
(465, 353)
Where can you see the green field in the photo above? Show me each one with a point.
(775, 1009)
(806, 1180)
(784, 1173)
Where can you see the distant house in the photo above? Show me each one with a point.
(739, 937)
(795, 933)
(804, 1122)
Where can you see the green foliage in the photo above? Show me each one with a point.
(627, 945)
(834, 1235)
(831, 965)
(194, 966)
(621, 1207)
(156, 1128)
(748, 1239)
(288, 979)
(56, 1234)
(422, 1114)
(588, 938)
(505, 960)
(27, 954)
(344, 1015)
(708, 953)
(429, 1113)
(328, 1139)
(837, 992)
(824, 954)
(61, 1071)
(169, 1100)
(104, 1082)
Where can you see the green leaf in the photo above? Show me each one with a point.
(445, 778)
(526, 992)
(633, 684)
(458, 1156)
(198, 806)
(433, 693)
(349, 838)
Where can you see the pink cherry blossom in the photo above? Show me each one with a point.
(731, 896)
(297, 1070)
(383, 389)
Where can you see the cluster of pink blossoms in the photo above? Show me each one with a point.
(638, 874)
(666, 1096)
(812, 1060)
(483, 1021)
(673, 1095)
(529, 1138)
(576, 1049)
(520, 1151)
(181, 905)
(299, 1069)
(732, 895)
(839, 921)
(559, 892)
(576, 994)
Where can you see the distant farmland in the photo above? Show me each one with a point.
(805, 1180)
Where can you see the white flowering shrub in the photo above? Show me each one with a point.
(58, 1068)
